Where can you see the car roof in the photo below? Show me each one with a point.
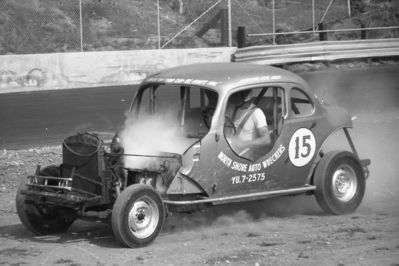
(223, 77)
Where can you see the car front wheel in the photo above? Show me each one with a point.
(138, 215)
(340, 182)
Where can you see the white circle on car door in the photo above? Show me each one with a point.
(302, 147)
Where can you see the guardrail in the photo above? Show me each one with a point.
(317, 51)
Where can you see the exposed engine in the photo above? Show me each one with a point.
(164, 169)
(158, 171)
(90, 173)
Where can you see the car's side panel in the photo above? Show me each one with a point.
(222, 172)
(241, 175)
(206, 171)
(304, 143)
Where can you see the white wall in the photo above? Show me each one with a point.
(75, 70)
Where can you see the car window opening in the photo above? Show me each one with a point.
(301, 105)
(253, 120)
(189, 107)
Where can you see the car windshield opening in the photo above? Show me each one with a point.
(189, 108)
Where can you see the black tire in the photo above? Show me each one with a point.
(340, 182)
(51, 170)
(42, 219)
(138, 215)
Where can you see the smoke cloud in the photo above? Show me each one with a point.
(151, 135)
(371, 95)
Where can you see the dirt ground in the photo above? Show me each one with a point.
(280, 231)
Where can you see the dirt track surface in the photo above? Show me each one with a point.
(368, 237)
(280, 231)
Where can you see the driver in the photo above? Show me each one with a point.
(251, 131)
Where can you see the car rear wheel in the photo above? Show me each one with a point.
(340, 182)
(42, 219)
(138, 215)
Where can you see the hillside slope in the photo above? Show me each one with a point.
(44, 26)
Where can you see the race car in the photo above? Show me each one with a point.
(180, 151)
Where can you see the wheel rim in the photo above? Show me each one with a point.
(143, 217)
(344, 183)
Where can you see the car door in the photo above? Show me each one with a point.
(240, 173)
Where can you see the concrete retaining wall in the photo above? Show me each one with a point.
(74, 70)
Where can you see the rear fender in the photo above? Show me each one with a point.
(363, 162)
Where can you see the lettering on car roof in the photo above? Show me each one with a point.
(259, 79)
(200, 82)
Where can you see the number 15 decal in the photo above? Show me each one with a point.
(302, 147)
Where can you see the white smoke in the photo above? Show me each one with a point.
(151, 135)
(372, 95)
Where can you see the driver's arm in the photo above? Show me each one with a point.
(262, 141)
(263, 136)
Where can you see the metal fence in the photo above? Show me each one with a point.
(46, 26)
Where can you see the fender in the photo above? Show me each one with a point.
(182, 184)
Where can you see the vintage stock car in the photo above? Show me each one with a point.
(191, 155)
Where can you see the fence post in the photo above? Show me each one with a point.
(322, 35)
(363, 32)
(224, 27)
(279, 38)
(159, 25)
(81, 25)
(241, 37)
(229, 23)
